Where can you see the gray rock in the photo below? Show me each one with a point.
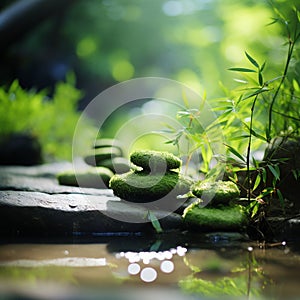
(31, 204)
(35, 213)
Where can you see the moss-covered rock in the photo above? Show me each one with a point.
(106, 142)
(219, 192)
(225, 218)
(118, 165)
(97, 156)
(90, 178)
(155, 161)
(139, 186)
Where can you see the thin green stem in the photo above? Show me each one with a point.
(287, 64)
(249, 149)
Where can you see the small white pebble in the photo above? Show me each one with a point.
(66, 252)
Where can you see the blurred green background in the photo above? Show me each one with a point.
(103, 42)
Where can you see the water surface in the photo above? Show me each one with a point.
(178, 266)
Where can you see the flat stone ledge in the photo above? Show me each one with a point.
(35, 213)
(33, 203)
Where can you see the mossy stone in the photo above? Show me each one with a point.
(106, 142)
(155, 161)
(139, 186)
(97, 156)
(224, 218)
(90, 178)
(118, 165)
(219, 192)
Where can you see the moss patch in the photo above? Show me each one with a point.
(155, 161)
(221, 192)
(91, 178)
(225, 218)
(138, 186)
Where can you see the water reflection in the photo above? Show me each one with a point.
(148, 274)
(198, 267)
(138, 262)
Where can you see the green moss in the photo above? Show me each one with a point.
(225, 218)
(141, 187)
(221, 192)
(90, 178)
(97, 156)
(155, 161)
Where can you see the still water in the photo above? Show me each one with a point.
(171, 266)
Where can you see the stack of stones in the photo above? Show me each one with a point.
(106, 159)
(216, 209)
(108, 153)
(154, 175)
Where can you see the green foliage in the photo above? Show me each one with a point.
(242, 115)
(51, 120)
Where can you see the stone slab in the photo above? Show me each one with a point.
(33, 203)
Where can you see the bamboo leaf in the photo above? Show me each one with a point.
(252, 60)
(296, 173)
(262, 67)
(243, 70)
(280, 197)
(240, 80)
(264, 175)
(273, 79)
(255, 162)
(235, 152)
(260, 79)
(276, 173)
(254, 207)
(240, 137)
(185, 100)
(257, 182)
(257, 92)
(267, 191)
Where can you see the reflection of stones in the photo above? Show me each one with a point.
(89, 178)
(219, 192)
(20, 149)
(150, 185)
(219, 215)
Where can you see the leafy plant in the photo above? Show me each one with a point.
(51, 120)
(242, 115)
